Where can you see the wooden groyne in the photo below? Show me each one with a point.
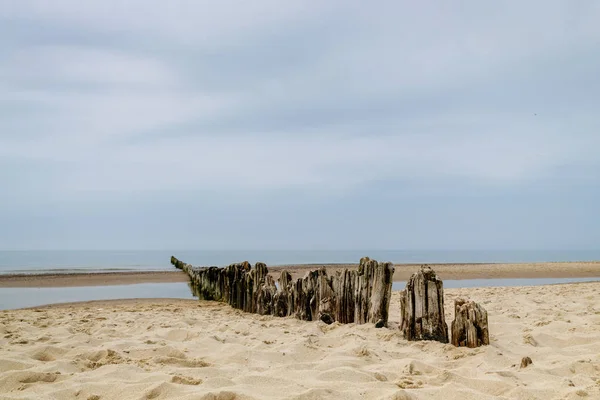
(422, 312)
(349, 296)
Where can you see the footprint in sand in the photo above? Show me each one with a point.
(380, 377)
(23, 379)
(101, 358)
(409, 383)
(181, 362)
(12, 365)
(48, 354)
(185, 380)
(401, 395)
(225, 395)
(163, 389)
(154, 393)
(528, 339)
(179, 335)
(34, 377)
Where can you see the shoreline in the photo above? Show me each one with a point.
(446, 271)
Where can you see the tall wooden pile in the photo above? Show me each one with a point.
(360, 296)
(470, 325)
(422, 307)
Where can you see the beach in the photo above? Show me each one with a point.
(189, 349)
(299, 200)
(402, 272)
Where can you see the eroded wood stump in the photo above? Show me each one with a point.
(303, 296)
(257, 279)
(283, 302)
(470, 325)
(344, 283)
(266, 297)
(360, 296)
(422, 307)
(325, 297)
(381, 293)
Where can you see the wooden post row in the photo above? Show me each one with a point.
(349, 296)
(360, 296)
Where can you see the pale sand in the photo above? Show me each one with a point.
(190, 350)
(587, 269)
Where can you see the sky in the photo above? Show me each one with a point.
(299, 125)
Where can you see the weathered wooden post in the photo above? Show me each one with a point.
(266, 296)
(235, 283)
(208, 283)
(470, 325)
(381, 294)
(256, 281)
(283, 301)
(308, 298)
(344, 284)
(325, 297)
(301, 296)
(363, 290)
(422, 307)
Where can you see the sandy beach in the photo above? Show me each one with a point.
(402, 273)
(191, 350)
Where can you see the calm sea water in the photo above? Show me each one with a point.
(152, 260)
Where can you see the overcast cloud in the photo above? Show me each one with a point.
(299, 125)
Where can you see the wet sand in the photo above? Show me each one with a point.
(588, 269)
(90, 279)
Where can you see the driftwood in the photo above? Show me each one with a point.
(422, 307)
(360, 296)
(470, 325)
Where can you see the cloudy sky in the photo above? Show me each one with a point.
(299, 125)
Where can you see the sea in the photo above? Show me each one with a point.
(63, 261)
